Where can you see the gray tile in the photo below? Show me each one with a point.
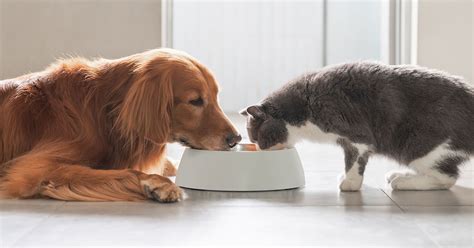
(321, 190)
(132, 224)
(18, 217)
(447, 226)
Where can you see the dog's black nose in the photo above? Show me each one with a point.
(233, 139)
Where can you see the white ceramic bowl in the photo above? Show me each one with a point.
(242, 169)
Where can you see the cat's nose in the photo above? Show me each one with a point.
(233, 139)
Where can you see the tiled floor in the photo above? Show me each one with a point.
(317, 214)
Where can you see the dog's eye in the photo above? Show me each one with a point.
(197, 102)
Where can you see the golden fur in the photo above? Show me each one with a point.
(90, 130)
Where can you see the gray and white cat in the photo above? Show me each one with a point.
(422, 118)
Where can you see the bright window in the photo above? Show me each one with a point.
(254, 47)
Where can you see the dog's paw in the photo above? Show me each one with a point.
(161, 190)
(349, 184)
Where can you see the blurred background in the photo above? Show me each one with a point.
(253, 47)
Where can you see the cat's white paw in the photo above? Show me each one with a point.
(350, 183)
(399, 182)
(421, 182)
(393, 174)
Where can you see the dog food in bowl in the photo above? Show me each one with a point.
(245, 148)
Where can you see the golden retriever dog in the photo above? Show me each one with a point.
(93, 130)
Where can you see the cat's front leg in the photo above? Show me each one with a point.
(356, 158)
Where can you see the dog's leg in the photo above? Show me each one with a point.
(356, 157)
(169, 168)
(34, 175)
(108, 185)
(164, 167)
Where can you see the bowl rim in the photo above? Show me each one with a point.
(230, 151)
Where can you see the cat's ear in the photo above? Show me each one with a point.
(256, 111)
(243, 112)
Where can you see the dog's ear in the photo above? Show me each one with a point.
(146, 109)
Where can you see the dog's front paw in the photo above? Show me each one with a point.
(161, 189)
(349, 184)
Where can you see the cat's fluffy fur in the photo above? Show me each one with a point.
(420, 117)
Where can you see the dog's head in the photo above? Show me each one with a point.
(173, 97)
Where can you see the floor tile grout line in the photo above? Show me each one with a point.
(394, 202)
(415, 222)
(39, 223)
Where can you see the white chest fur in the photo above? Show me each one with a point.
(309, 132)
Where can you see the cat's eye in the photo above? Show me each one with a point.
(197, 102)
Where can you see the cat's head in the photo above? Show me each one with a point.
(268, 132)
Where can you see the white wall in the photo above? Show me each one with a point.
(35, 32)
(445, 36)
